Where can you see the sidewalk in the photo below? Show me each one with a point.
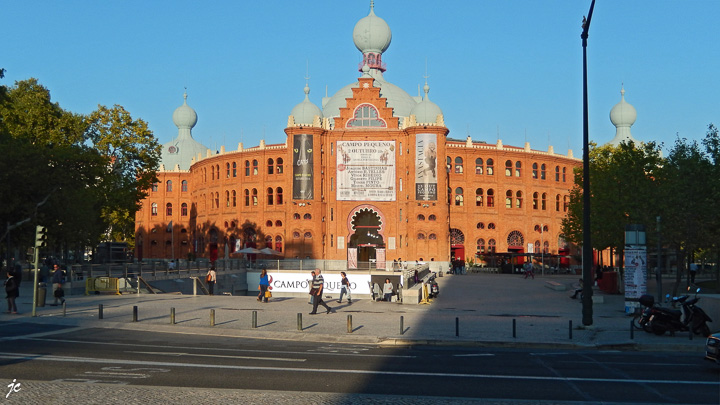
(483, 307)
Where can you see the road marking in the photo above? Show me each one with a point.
(474, 355)
(217, 356)
(30, 357)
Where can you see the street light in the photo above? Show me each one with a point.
(587, 246)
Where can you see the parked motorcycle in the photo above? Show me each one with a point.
(658, 320)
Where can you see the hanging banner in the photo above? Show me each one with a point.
(300, 282)
(380, 258)
(426, 167)
(366, 170)
(635, 276)
(303, 167)
(352, 258)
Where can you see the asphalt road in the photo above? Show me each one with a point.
(105, 356)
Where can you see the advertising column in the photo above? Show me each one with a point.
(635, 267)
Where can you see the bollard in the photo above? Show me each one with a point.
(570, 329)
(100, 311)
(212, 317)
(299, 322)
(514, 329)
(64, 309)
(349, 324)
(632, 330)
(135, 312)
(402, 327)
(254, 319)
(172, 316)
(457, 327)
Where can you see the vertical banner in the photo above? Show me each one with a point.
(303, 167)
(635, 276)
(352, 258)
(426, 167)
(380, 258)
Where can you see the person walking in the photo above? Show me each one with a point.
(211, 278)
(387, 290)
(316, 292)
(263, 287)
(528, 267)
(13, 291)
(58, 279)
(345, 283)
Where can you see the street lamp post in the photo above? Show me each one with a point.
(587, 246)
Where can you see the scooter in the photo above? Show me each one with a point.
(658, 320)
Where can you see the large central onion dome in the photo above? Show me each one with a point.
(623, 116)
(372, 34)
(184, 116)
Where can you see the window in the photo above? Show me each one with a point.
(296, 216)
(537, 245)
(491, 246)
(168, 209)
(254, 197)
(432, 217)
(563, 177)
(518, 199)
(458, 165)
(332, 182)
(279, 195)
(153, 209)
(515, 239)
(296, 235)
(154, 187)
(508, 199)
(421, 217)
(212, 172)
(479, 197)
(546, 246)
(247, 197)
(478, 166)
(489, 167)
(234, 169)
(543, 168)
(432, 236)
(270, 196)
(481, 245)
(544, 201)
(421, 236)
(365, 116)
(268, 223)
(247, 168)
(217, 200)
(227, 170)
(279, 163)
(566, 203)
(490, 198)
(278, 223)
(557, 173)
(168, 186)
(269, 240)
(307, 235)
(307, 217)
(534, 170)
(183, 210)
(227, 198)
(278, 243)
(332, 214)
(508, 168)
(557, 202)
(234, 198)
(255, 167)
(271, 166)
(518, 168)
(480, 225)
(459, 199)
(491, 225)
(535, 200)
(184, 186)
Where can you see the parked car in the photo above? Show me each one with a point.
(712, 348)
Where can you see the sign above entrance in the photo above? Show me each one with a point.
(366, 170)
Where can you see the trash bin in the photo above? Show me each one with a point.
(41, 293)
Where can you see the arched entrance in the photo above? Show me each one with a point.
(213, 247)
(457, 245)
(366, 246)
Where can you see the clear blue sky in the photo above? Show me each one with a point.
(510, 67)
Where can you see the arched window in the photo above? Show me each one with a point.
(458, 165)
(184, 186)
(481, 245)
(518, 199)
(544, 201)
(254, 196)
(508, 199)
(508, 168)
(183, 210)
(537, 246)
(421, 217)
(247, 197)
(563, 174)
(278, 223)
(227, 198)
(478, 166)
(546, 247)
(227, 170)
(296, 216)
(212, 172)
(480, 225)
(168, 186)
(557, 202)
(489, 167)
(247, 168)
(270, 196)
(234, 198)
(557, 173)
(296, 235)
(255, 167)
(271, 166)
(153, 209)
(459, 199)
(566, 203)
(432, 236)
(307, 217)
(307, 235)
(491, 246)
(154, 187)
(515, 238)
(534, 170)
(535, 200)
(543, 170)
(491, 225)
(456, 237)
(234, 169)
(278, 243)
(279, 194)
(479, 197)
(268, 223)
(366, 115)
(279, 162)
(217, 199)
(421, 236)
(432, 217)
(518, 168)
(168, 209)
(490, 198)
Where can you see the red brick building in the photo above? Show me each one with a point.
(370, 177)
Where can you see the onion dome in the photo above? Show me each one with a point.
(305, 112)
(371, 33)
(426, 112)
(180, 152)
(623, 116)
(184, 116)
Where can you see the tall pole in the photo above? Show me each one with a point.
(587, 311)
(658, 268)
(542, 249)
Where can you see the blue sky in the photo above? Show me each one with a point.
(511, 67)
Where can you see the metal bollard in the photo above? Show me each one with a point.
(457, 327)
(100, 311)
(349, 324)
(135, 313)
(402, 326)
(172, 316)
(570, 329)
(212, 317)
(299, 322)
(632, 330)
(514, 329)
(64, 309)
(254, 319)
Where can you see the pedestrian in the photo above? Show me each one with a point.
(345, 288)
(317, 290)
(693, 272)
(58, 279)
(13, 291)
(528, 269)
(310, 283)
(578, 290)
(263, 287)
(387, 290)
(211, 279)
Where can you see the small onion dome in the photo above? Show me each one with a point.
(623, 114)
(305, 112)
(184, 116)
(371, 33)
(426, 112)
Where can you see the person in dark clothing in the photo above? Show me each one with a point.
(13, 291)
(317, 290)
(58, 279)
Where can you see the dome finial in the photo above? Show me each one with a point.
(372, 7)
(185, 96)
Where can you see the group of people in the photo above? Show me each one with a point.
(14, 278)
